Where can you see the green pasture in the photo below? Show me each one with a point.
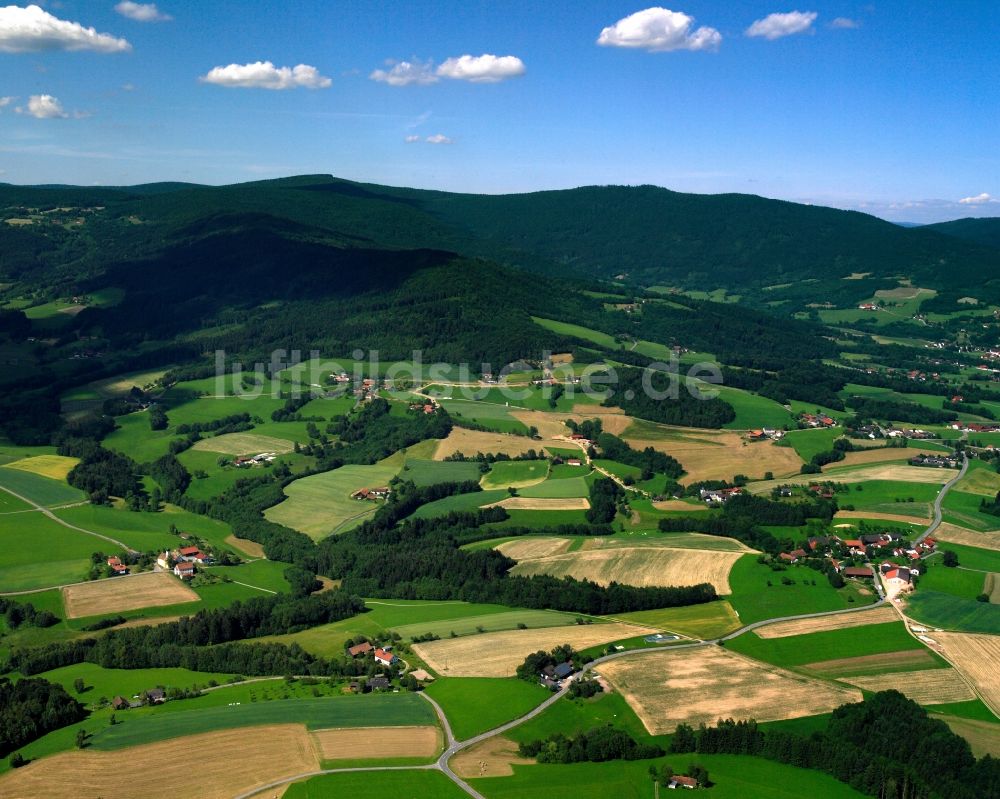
(492, 417)
(105, 683)
(515, 473)
(963, 509)
(489, 622)
(476, 704)
(39, 552)
(460, 502)
(410, 783)
(561, 488)
(43, 491)
(949, 612)
(707, 621)
(807, 443)
(428, 472)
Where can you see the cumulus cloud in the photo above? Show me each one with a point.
(775, 26)
(265, 75)
(845, 23)
(439, 138)
(979, 199)
(406, 73)
(32, 30)
(43, 106)
(659, 30)
(482, 69)
(141, 12)
(5, 101)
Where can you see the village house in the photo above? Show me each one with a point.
(574, 462)
(860, 572)
(384, 657)
(936, 461)
(899, 579)
(377, 684)
(163, 561)
(156, 696)
(371, 494)
(680, 781)
(184, 570)
(360, 649)
(817, 420)
(117, 566)
(119, 703)
(788, 558)
(719, 495)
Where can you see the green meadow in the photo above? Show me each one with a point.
(951, 612)
(460, 502)
(807, 443)
(515, 473)
(492, 417)
(428, 472)
(476, 704)
(39, 552)
(410, 783)
(490, 622)
(42, 491)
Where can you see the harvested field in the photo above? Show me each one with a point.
(116, 594)
(842, 667)
(470, 442)
(718, 455)
(247, 547)
(928, 687)
(638, 566)
(903, 473)
(229, 762)
(991, 587)
(542, 503)
(960, 535)
(714, 543)
(882, 454)
(870, 514)
(549, 424)
(983, 736)
(526, 548)
(976, 656)
(679, 505)
(357, 743)
(499, 654)
(703, 685)
(491, 758)
(783, 629)
(55, 467)
(244, 444)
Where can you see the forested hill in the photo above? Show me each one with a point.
(980, 231)
(652, 236)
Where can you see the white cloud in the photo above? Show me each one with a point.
(406, 73)
(439, 138)
(5, 101)
(141, 12)
(979, 199)
(845, 23)
(482, 69)
(265, 75)
(43, 106)
(659, 30)
(411, 139)
(32, 30)
(774, 26)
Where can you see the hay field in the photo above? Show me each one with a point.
(499, 654)
(916, 658)
(247, 547)
(542, 503)
(244, 444)
(783, 629)
(928, 687)
(889, 471)
(494, 757)
(714, 543)
(961, 535)
(717, 455)
(702, 685)
(981, 735)
(870, 514)
(883, 454)
(469, 442)
(115, 594)
(638, 566)
(549, 425)
(527, 548)
(680, 506)
(228, 763)
(991, 587)
(56, 467)
(361, 743)
(976, 656)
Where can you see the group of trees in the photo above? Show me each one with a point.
(31, 707)
(101, 473)
(234, 423)
(593, 746)
(17, 615)
(651, 461)
(605, 498)
(535, 663)
(666, 398)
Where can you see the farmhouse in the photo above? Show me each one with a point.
(936, 461)
(377, 684)
(719, 495)
(184, 570)
(680, 781)
(574, 462)
(788, 558)
(862, 572)
(156, 696)
(817, 420)
(384, 657)
(360, 649)
(899, 579)
(117, 566)
(120, 703)
(371, 494)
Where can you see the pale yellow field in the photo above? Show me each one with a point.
(983, 482)
(702, 685)
(983, 736)
(928, 687)
(357, 743)
(469, 442)
(960, 535)
(680, 505)
(549, 424)
(54, 466)
(890, 471)
(916, 658)
(116, 594)
(244, 444)
(638, 566)
(494, 757)
(228, 763)
(247, 547)
(866, 514)
(976, 656)
(527, 548)
(991, 587)
(882, 454)
(783, 629)
(670, 541)
(718, 455)
(499, 654)
(542, 503)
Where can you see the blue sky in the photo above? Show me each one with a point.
(891, 107)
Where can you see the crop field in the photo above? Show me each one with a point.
(429, 472)
(38, 552)
(245, 546)
(887, 662)
(264, 754)
(499, 654)
(714, 543)
(702, 685)
(882, 455)
(561, 488)
(960, 535)
(366, 743)
(116, 594)
(471, 442)
(938, 609)
(928, 687)
(783, 629)
(530, 547)
(55, 467)
(542, 503)
(474, 705)
(489, 622)
(983, 736)
(515, 473)
(963, 509)
(403, 784)
(321, 504)
(494, 757)
(495, 417)
(708, 620)
(875, 516)
(639, 566)
(980, 481)
(976, 657)
(243, 444)
(36, 488)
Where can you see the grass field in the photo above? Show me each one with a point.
(321, 504)
(709, 620)
(243, 444)
(55, 467)
(802, 651)
(754, 600)
(116, 594)
(560, 488)
(929, 687)
(488, 622)
(493, 417)
(499, 654)
(811, 442)
(962, 509)
(953, 613)
(38, 552)
(102, 682)
(962, 583)
(460, 502)
(429, 472)
(423, 784)
(518, 474)
(37, 488)
(476, 704)
(702, 685)
(975, 656)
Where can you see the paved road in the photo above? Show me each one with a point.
(936, 521)
(64, 523)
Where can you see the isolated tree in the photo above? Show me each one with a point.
(81, 738)
(950, 558)
(78, 685)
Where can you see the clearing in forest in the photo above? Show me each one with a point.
(244, 444)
